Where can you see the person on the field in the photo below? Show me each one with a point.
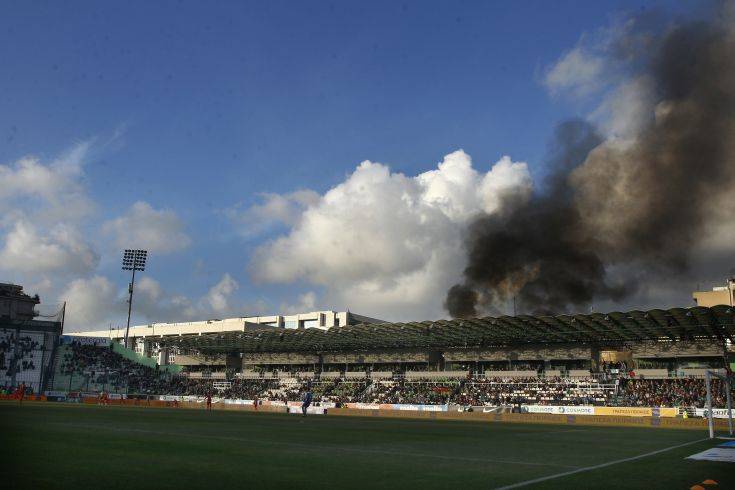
(307, 401)
(209, 400)
(21, 392)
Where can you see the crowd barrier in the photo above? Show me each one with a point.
(665, 417)
(398, 406)
(718, 413)
(604, 416)
(540, 418)
(31, 398)
(592, 410)
(577, 410)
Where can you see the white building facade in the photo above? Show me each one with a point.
(143, 337)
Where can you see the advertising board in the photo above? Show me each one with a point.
(560, 410)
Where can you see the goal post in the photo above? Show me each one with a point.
(726, 384)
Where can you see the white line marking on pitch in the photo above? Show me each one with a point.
(315, 446)
(598, 466)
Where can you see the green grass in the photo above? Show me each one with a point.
(63, 446)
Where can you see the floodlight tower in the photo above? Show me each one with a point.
(133, 260)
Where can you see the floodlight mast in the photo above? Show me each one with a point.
(133, 260)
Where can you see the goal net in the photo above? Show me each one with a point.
(719, 387)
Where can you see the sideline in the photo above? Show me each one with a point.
(598, 466)
(300, 446)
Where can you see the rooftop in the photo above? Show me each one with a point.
(676, 324)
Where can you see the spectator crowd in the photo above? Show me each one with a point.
(21, 357)
(106, 367)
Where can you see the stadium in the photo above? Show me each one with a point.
(508, 401)
(401, 245)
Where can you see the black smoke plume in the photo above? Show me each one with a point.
(636, 205)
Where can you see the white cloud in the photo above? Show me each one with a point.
(159, 231)
(306, 302)
(218, 297)
(91, 303)
(506, 181)
(578, 71)
(46, 193)
(42, 207)
(271, 211)
(598, 60)
(61, 250)
(156, 305)
(382, 243)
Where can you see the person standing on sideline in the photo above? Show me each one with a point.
(307, 400)
(21, 392)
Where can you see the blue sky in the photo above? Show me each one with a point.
(196, 107)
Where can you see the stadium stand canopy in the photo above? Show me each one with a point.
(676, 324)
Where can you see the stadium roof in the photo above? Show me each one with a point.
(698, 323)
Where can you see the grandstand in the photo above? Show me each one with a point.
(95, 365)
(655, 343)
(27, 340)
(655, 358)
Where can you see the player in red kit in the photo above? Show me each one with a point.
(21, 393)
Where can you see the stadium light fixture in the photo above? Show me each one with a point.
(133, 260)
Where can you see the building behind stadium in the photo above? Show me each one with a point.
(144, 339)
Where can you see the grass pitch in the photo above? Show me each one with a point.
(64, 446)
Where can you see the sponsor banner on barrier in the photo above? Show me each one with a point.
(666, 412)
(560, 410)
(238, 401)
(311, 410)
(182, 398)
(607, 411)
(98, 341)
(363, 406)
(490, 409)
(718, 413)
(420, 408)
(625, 411)
(398, 406)
(55, 393)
